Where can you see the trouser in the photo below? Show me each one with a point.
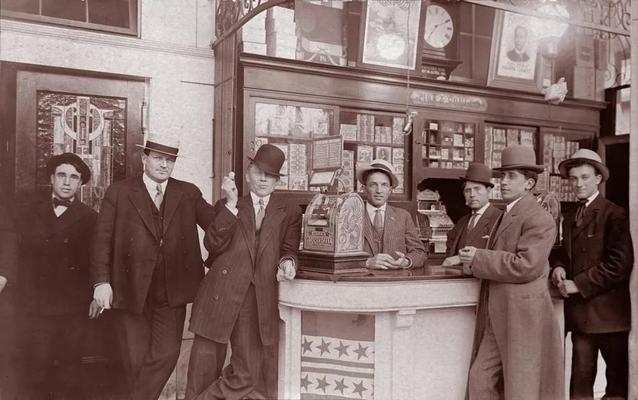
(613, 348)
(251, 369)
(486, 373)
(151, 341)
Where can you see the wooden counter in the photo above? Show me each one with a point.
(383, 336)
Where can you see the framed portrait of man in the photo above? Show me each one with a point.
(515, 56)
(391, 34)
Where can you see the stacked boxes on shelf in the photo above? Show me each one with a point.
(281, 40)
(556, 150)
(448, 144)
(253, 35)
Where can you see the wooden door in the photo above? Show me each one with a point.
(98, 119)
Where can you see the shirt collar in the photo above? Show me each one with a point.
(151, 185)
(512, 204)
(255, 200)
(591, 198)
(481, 210)
(372, 209)
(71, 199)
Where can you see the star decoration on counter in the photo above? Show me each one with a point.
(359, 388)
(340, 385)
(324, 347)
(343, 349)
(322, 384)
(361, 352)
(305, 346)
(305, 382)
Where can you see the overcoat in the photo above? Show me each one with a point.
(399, 234)
(477, 237)
(53, 273)
(598, 256)
(127, 244)
(519, 306)
(240, 258)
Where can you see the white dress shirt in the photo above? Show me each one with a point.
(151, 186)
(372, 210)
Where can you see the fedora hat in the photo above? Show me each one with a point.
(72, 159)
(378, 165)
(269, 158)
(584, 156)
(166, 144)
(518, 156)
(479, 173)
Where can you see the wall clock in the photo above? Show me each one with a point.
(440, 39)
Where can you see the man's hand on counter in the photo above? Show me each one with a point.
(381, 261)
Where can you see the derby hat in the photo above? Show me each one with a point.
(161, 144)
(72, 159)
(479, 173)
(269, 158)
(377, 165)
(584, 156)
(518, 156)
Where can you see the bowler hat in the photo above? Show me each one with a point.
(518, 156)
(584, 156)
(269, 158)
(72, 159)
(479, 173)
(380, 165)
(166, 144)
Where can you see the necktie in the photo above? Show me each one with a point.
(473, 219)
(378, 221)
(159, 196)
(580, 212)
(61, 202)
(260, 214)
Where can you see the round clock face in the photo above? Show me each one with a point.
(439, 27)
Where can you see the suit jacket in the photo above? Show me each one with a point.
(53, 273)
(599, 257)
(399, 234)
(477, 237)
(519, 306)
(516, 57)
(127, 244)
(239, 259)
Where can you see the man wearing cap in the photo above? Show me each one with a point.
(520, 353)
(389, 232)
(592, 271)
(147, 263)
(253, 242)
(54, 234)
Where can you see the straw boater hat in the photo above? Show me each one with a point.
(378, 165)
(72, 159)
(584, 156)
(519, 157)
(478, 173)
(269, 158)
(167, 144)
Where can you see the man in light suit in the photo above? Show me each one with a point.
(520, 354)
(253, 241)
(390, 234)
(147, 263)
(592, 271)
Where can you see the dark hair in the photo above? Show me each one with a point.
(580, 163)
(528, 174)
(75, 164)
(366, 174)
(147, 151)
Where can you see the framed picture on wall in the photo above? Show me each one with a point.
(391, 34)
(515, 56)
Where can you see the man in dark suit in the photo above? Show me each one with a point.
(476, 228)
(253, 242)
(518, 53)
(147, 263)
(390, 234)
(52, 293)
(592, 271)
